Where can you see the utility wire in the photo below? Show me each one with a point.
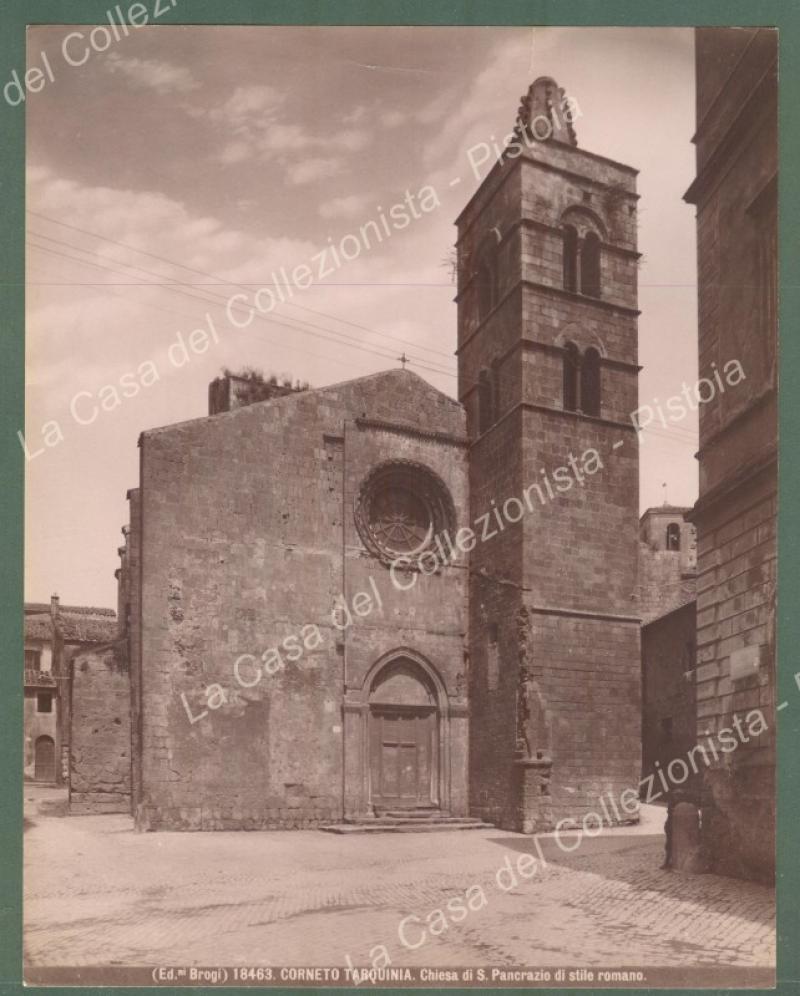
(245, 287)
(298, 325)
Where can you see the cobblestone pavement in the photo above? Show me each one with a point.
(97, 893)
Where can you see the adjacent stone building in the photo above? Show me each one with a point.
(369, 598)
(667, 561)
(669, 723)
(54, 634)
(100, 751)
(667, 594)
(735, 193)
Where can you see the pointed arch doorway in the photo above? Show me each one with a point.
(404, 738)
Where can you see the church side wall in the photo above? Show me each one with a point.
(241, 549)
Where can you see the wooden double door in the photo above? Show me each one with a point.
(404, 751)
(44, 760)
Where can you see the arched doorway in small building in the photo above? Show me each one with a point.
(44, 759)
(403, 737)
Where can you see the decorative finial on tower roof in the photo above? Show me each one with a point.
(546, 112)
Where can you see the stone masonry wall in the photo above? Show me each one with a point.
(494, 602)
(100, 754)
(668, 691)
(735, 193)
(663, 585)
(554, 631)
(425, 614)
(246, 544)
(736, 610)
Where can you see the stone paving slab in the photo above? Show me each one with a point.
(98, 893)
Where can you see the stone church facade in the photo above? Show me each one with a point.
(320, 625)
(289, 672)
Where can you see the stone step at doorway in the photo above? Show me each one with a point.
(407, 821)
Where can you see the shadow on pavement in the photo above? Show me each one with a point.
(644, 872)
(586, 849)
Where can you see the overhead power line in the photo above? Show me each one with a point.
(217, 300)
(218, 281)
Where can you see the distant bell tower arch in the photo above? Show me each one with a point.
(548, 372)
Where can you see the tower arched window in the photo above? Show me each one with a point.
(572, 363)
(582, 380)
(495, 390)
(570, 258)
(485, 402)
(673, 536)
(590, 382)
(486, 277)
(590, 265)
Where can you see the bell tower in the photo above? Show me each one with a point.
(547, 353)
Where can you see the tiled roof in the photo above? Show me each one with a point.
(32, 608)
(83, 626)
(77, 628)
(38, 627)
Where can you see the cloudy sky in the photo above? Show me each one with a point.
(186, 164)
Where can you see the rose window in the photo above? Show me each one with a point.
(400, 520)
(400, 508)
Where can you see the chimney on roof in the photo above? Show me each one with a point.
(233, 391)
(54, 607)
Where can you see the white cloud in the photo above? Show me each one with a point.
(253, 100)
(310, 170)
(357, 114)
(344, 207)
(234, 152)
(259, 131)
(392, 119)
(148, 221)
(163, 77)
(246, 105)
(438, 108)
(349, 141)
(478, 114)
(283, 138)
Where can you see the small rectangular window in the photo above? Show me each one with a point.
(33, 659)
(44, 702)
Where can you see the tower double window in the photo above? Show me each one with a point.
(581, 380)
(581, 261)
